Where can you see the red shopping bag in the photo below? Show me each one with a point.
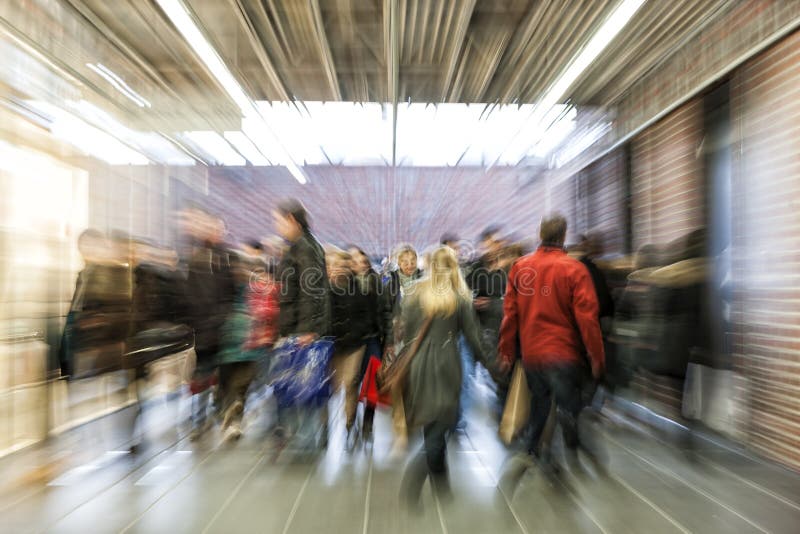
(369, 388)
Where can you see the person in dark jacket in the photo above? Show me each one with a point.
(305, 302)
(431, 394)
(350, 325)
(158, 303)
(305, 308)
(487, 281)
(369, 284)
(210, 293)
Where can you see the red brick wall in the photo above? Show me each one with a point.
(766, 196)
(376, 207)
(601, 201)
(667, 177)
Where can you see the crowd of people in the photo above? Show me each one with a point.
(446, 313)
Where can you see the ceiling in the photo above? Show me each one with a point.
(320, 50)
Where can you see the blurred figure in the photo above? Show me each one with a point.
(238, 355)
(98, 322)
(399, 283)
(210, 291)
(369, 284)
(305, 302)
(487, 281)
(254, 249)
(350, 325)
(439, 309)
(551, 306)
(589, 248)
(158, 308)
(305, 305)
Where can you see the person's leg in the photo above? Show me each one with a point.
(399, 423)
(565, 382)
(352, 383)
(541, 400)
(435, 443)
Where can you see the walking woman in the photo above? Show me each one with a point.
(440, 309)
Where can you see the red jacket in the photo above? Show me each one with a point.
(551, 304)
(264, 309)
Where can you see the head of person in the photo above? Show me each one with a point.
(361, 264)
(253, 247)
(93, 245)
(338, 264)
(407, 259)
(490, 242)
(591, 245)
(452, 241)
(553, 230)
(291, 219)
(443, 287)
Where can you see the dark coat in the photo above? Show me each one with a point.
(350, 320)
(372, 288)
(434, 379)
(209, 297)
(604, 299)
(305, 294)
(158, 297)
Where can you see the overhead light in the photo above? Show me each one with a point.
(245, 146)
(179, 15)
(610, 28)
(621, 15)
(215, 146)
(87, 138)
(119, 84)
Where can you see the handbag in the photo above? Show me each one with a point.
(518, 406)
(394, 371)
(152, 344)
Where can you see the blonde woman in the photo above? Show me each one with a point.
(442, 301)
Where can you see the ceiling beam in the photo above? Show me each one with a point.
(325, 51)
(260, 51)
(457, 45)
(85, 11)
(393, 64)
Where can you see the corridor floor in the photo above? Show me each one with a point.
(88, 482)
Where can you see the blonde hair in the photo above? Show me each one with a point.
(440, 291)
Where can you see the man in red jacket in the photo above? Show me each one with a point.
(550, 308)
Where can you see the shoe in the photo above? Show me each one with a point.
(233, 433)
(232, 413)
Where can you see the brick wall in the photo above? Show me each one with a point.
(667, 177)
(601, 201)
(766, 250)
(377, 207)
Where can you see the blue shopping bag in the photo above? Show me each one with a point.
(300, 374)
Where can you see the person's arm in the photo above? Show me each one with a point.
(313, 298)
(585, 309)
(510, 325)
(471, 331)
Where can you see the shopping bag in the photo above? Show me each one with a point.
(369, 387)
(300, 373)
(518, 406)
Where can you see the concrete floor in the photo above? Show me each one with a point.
(87, 482)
